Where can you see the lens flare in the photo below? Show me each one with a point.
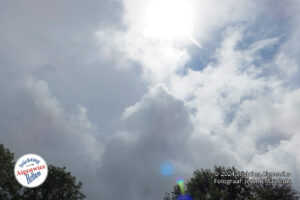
(166, 169)
(180, 183)
(184, 197)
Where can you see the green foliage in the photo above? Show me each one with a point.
(204, 185)
(59, 185)
(281, 191)
(9, 186)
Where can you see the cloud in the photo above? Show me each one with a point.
(83, 85)
(252, 113)
(161, 57)
(36, 122)
(153, 132)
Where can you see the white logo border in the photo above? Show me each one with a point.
(22, 157)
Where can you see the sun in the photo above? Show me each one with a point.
(169, 20)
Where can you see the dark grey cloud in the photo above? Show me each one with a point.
(154, 131)
(55, 42)
(49, 64)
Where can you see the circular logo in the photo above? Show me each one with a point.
(31, 170)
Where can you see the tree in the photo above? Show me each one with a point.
(227, 183)
(280, 191)
(9, 186)
(59, 185)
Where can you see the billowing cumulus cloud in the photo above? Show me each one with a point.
(154, 131)
(131, 95)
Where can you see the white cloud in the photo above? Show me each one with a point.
(161, 57)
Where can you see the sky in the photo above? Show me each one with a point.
(131, 95)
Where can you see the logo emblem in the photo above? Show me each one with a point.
(31, 170)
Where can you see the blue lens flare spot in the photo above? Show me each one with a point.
(184, 197)
(166, 169)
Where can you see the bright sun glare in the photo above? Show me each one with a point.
(169, 20)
